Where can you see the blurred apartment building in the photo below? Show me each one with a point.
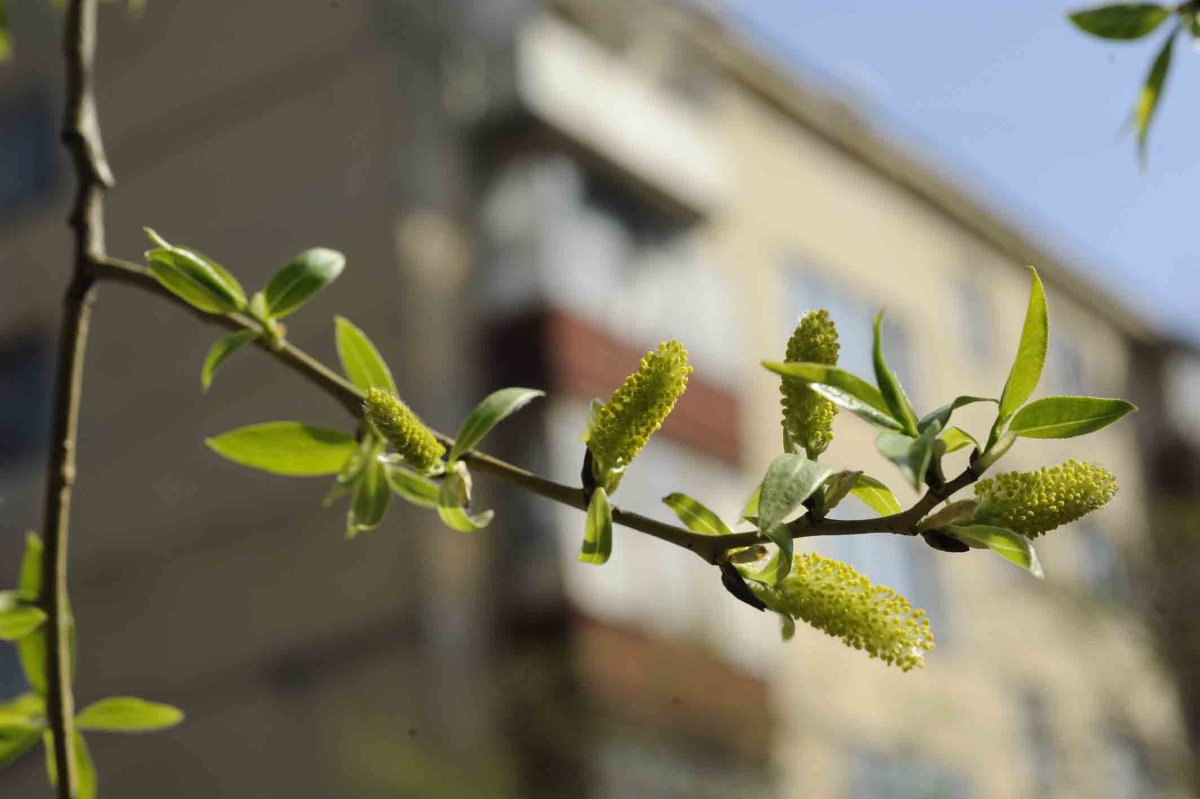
(535, 194)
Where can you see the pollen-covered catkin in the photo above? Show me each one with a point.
(1032, 503)
(836, 599)
(413, 441)
(807, 416)
(623, 424)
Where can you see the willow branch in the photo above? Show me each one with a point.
(81, 136)
(706, 546)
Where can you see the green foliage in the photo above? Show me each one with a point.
(17, 617)
(294, 449)
(1147, 103)
(194, 278)
(361, 362)
(875, 495)
(789, 481)
(305, 275)
(839, 601)
(221, 350)
(807, 416)
(889, 384)
(1067, 417)
(842, 388)
(128, 714)
(5, 54)
(1121, 21)
(597, 533)
(1027, 366)
(695, 515)
(372, 494)
(453, 498)
(1005, 543)
(623, 425)
(487, 414)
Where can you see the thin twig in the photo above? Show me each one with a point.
(81, 136)
(708, 547)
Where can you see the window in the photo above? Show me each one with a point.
(880, 775)
(1043, 749)
(27, 154)
(976, 316)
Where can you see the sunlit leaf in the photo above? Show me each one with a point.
(194, 277)
(288, 448)
(487, 414)
(1031, 356)
(911, 455)
(1066, 417)
(305, 275)
(942, 414)
(372, 494)
(955, 438)
(1005, 543)
(128, 714)
(17, 618)
(361, 362)
(85, 770)
(842, 388)
(597, 535)
(876, 496)
(695, 515)
(1147, 104)
(790, 479)
(453, 496)
(836, 488)
(25, 713)
(414, 488)
(221, 350)
(889, 384)
(13, 745)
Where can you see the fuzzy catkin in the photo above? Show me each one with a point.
(623, 424)
(413, 441)
(836, 599)
(807, 416)
(1032, 503)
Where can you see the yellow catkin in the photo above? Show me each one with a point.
(413, 441)
(836, 599)
(1032, 503)
(623, 424)
(807, 416)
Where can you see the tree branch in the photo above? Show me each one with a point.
(81, 136)
(708, 547)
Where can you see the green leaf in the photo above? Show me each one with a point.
(412, 487)
(487, 414)
(288, 448)
(128, 714)
(453, 496)
(955, 438)
(361, 362)
(597, 534)
(912, 455)
(1066, 417)
(750, 511)
(842, 388)
(1031, 355)
(1121, 21)
(196, 279)
(31, 651)
(29, 585)
(18, 619)
(790, 479)
(372, 493)
(695, 515)
(5, 37)
(15, 744)
(1005, 543)
(836, 488)
(889, 385)
(942, 414)
(85, 770)
(221, 350)
(876, 496)
(1147, 104)
(25, 713)
(305, 275)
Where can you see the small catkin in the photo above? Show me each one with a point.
(836, 599)
(1032, 503)
(807, 416)
(413, 441)
(623, 424)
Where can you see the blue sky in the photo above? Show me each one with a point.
(1015, 104)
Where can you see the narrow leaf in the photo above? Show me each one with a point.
(29, 585)
(412, 487)
(196, 279)
(845, 384)
(128, 714)
(487, 414)
(1005, 543)
(836, 488)
(25, 713)
(361, 362)
(942, 414)
(876, 496)
(1066, 417)
(1121, 21)
(453, 496)
(1031, 353)
(305, 275)
(85, 770)
(750, 511)
(695, 515)
(889, 384)
(1147, 104)
(288, 448)
(911, 455)
(13, 745)
(31, 651)
(221, 350)
(790, 479)
(372, 493)
(955, 438)
(597, 534)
